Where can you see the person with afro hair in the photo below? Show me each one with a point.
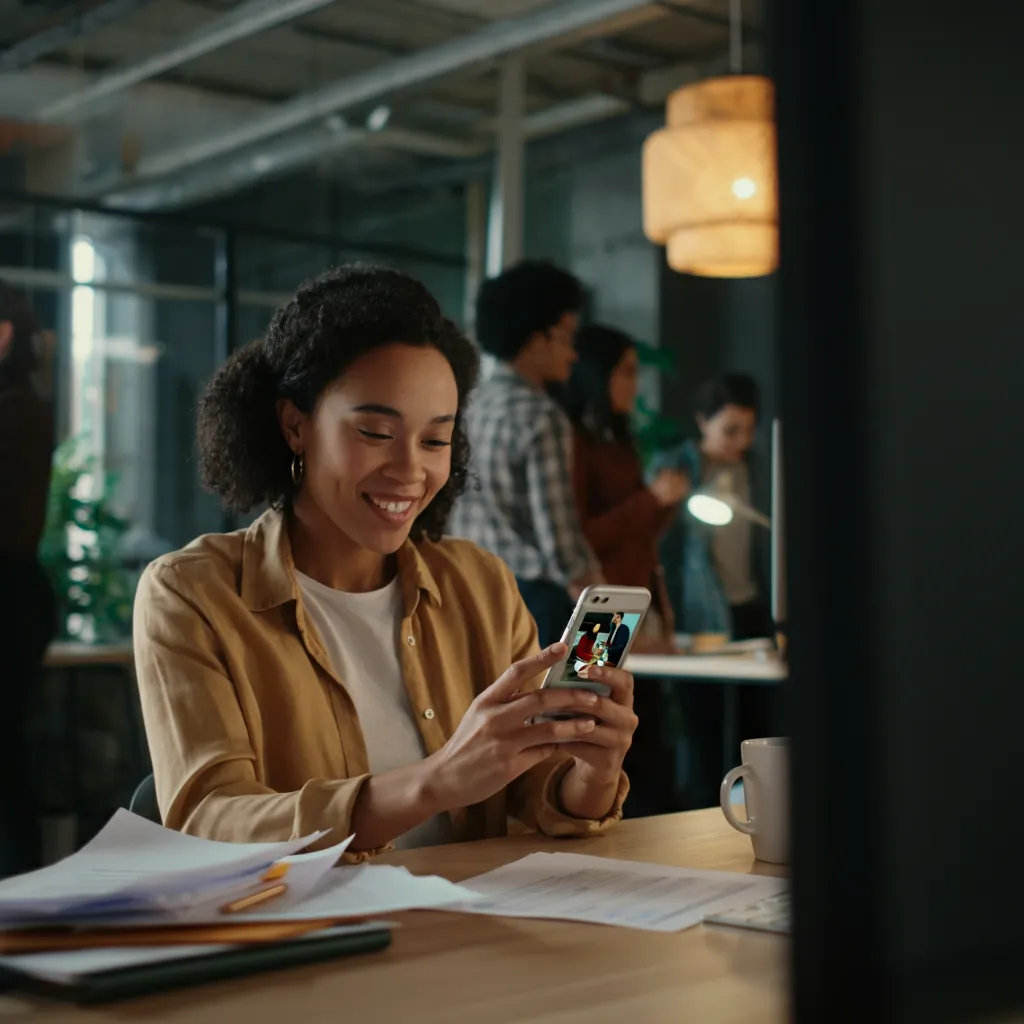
(523, 508)
(340, 664)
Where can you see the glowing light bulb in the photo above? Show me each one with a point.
(744, 188)
(707, 509)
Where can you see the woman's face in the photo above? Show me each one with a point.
(377, 446)
(728, 435)
(622, 384)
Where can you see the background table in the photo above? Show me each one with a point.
(730, 671)
(698, 739)
(90, 690)
(463, 969)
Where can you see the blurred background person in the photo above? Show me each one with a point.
(622, 517)
(712, 571)
(28, 610)
(521, 507)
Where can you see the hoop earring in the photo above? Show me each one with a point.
(298, 468)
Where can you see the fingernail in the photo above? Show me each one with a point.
(591, 698)
(558, 648)
(587, 724)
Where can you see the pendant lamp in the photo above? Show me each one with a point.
(709, 181)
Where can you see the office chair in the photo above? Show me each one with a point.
(143, 801)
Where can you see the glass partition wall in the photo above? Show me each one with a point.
(136, 315)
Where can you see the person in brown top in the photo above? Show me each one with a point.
(622, 516)
(338, 664)
(27, 602)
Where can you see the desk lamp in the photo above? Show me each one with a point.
(717, 505)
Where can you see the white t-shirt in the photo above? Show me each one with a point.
(360, 633)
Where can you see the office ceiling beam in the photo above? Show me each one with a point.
(26, 52)
(236, 24)
(546, 26)
(243, 170)
(246, 169)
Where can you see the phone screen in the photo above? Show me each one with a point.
(601, 638)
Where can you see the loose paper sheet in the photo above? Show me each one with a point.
(364, 890)
(576, 887)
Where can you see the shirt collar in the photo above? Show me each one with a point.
(506, 373)
(268, 569)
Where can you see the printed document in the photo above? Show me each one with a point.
(576, 887)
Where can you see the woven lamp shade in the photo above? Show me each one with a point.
(709, 187)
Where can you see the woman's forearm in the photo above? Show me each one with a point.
(391, 803)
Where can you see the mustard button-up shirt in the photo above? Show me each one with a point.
(253, 735)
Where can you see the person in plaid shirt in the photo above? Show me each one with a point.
(521, 505)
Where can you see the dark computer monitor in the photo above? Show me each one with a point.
(901, 368)
(778, 538)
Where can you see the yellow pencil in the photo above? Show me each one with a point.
(253, 899)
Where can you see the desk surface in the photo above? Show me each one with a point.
(736, 667)
(747, 668)
(463, 969)
(71, 654)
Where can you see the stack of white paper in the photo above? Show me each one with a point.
(134, 866)
(575, 887)
(140, 873)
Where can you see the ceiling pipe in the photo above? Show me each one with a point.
(239, 23)
(28, 51)
(246, 169)
(547, 25)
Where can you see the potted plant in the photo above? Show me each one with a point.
(79, 548)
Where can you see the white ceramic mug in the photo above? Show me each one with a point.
(765, 774)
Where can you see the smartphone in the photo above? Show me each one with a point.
(602, 629)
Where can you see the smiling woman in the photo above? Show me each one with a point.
(339, 665)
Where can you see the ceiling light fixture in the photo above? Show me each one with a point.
(709, 177)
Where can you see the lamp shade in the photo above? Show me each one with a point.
(709, 182)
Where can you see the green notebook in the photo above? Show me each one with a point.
(101, 986)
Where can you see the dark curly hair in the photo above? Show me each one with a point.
(332, 321)
(586, 398)
(729, 389)
(532, 296)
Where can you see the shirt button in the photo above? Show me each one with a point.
(429, 714)
(411, 640)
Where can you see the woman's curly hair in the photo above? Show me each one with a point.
(332, 321)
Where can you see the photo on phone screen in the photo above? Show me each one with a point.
(602, 638)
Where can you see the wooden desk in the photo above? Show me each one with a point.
(463, 969)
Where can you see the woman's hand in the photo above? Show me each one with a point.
(589, 789)
(495, 742)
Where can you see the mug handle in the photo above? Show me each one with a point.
(725, 794)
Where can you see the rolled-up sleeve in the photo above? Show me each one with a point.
(534, 798)
(204, 761)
